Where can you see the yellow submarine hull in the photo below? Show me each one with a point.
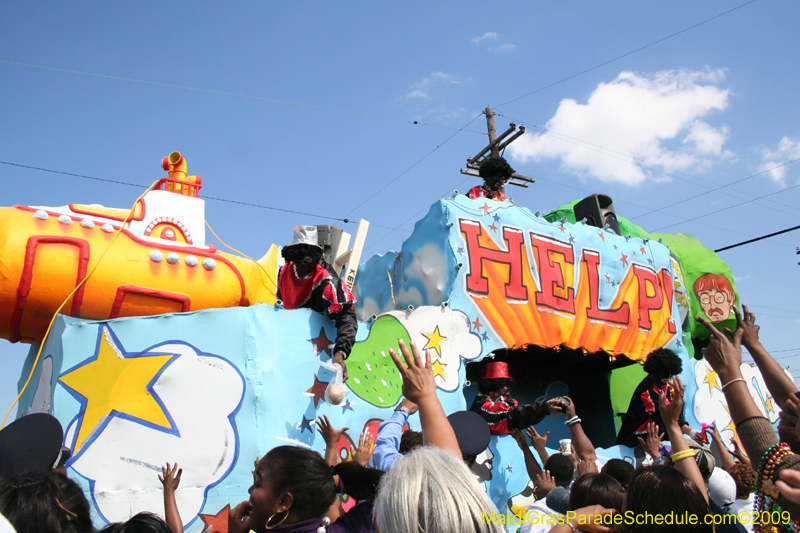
(44, 255)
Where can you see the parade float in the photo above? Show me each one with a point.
(169, 350)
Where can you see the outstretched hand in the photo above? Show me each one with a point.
(652, 442)
(520, 438)
(568, 406)
(747, 324)
(169, 478)
(363, 454)
(418, 379)
(537, 441)
(544, 484)
(671, 412)
(724, 356)
(328, 432)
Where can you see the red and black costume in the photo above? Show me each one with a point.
(323, 292)
(479, 192)
(642, 411)
(504, 414)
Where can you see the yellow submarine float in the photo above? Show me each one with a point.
(159, 262)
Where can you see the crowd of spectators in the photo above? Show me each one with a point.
(423, 481)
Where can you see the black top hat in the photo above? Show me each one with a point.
(30, 444)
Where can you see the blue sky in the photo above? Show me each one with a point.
(311, 107)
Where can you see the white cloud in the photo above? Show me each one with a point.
(505, 47)
(491, 35)
(786, 150)
(652, 119)
(455, 340)
(118, 462)
(422, 89)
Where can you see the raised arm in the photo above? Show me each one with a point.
(419, 386)
(531, 465)
(583, 446)
(331, 436)
(682, 455)
(778, 383)
(722, 452)
(539, 442)
(725, 357)
(170, 479)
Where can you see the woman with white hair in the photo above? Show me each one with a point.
(433, 491)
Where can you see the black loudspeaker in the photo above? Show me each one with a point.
(329, 237)
(598, 210)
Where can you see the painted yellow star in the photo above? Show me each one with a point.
(768, 401)
(730, 426)
(111, 383)
(712, 380)
(438, 368)
(434, 340)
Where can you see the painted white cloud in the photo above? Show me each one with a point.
(423, 88)
(459, 343)
(633, 118)
(786, 150)
(709, 400)
(118, 461)
(490, 35)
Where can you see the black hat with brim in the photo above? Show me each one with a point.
(30, 444)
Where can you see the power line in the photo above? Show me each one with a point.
(732, 206)
(415, 164)
(602, 150)
(237, 95)
(626, 54)
(757, 239)
(722, 187)
(249, 204)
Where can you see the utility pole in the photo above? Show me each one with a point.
(489, 112)
(496, 144)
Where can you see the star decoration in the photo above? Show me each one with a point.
(615, 247)
(493, 227)
(434, 341)
(496, 217)
(712, 381)
(562, 228)
(485, 336)
(768, 403)
(485, 208)
(651, 262)
(321, 343)
(624, 259)
(509, 468)
(126, 387)
(348, 406)
(643, 250)
(317, 391)
(438, 368)
(608, 278)
(678, 341)
(460, 250)
(217, 523)
(602, 237)
(477, 324)
(731, 426)
(305, 424)
(571, 239)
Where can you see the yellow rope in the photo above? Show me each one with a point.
(78, 286)
(242, 254)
